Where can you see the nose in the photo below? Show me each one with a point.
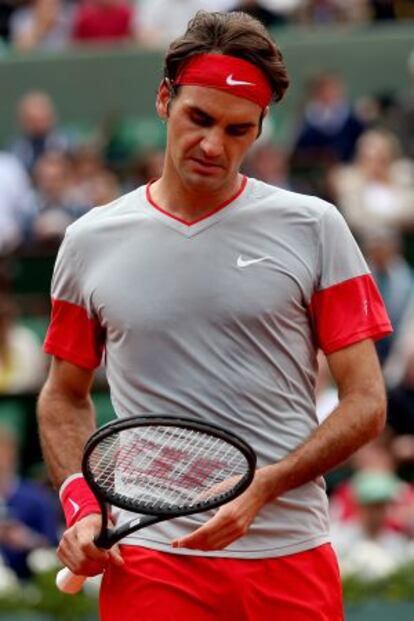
(212, 144)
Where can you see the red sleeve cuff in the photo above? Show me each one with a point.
(74, 336)
(348, 312)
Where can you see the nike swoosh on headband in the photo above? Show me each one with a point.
(231, 82)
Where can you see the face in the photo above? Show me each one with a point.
(375, 155)
(330, 91)
(208, 135)
(51, 174)
(36, 115)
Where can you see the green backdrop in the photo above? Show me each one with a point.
(100, 85)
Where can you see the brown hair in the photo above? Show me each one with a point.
(234, 34)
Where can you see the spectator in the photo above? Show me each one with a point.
(401, 117)
(22, 363)
(393, 275)
(103, 20)
(366, 545)
(43, 25)
(58, 201)
(404, 9)
(270, 12)
(16, 204)
(401, 404)
(377, 189)
(382, 9)
(27, 517)
(327, 132)
(145, 167)
(157, 22)
(270, 164)
(87, 165)
(328, 11)
(39, 131)
(377, 456)
(7, 8)
(104, 188)
(402, 349)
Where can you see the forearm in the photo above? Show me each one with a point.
(357, 419)
(65, 424)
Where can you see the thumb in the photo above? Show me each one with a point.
(115, 556)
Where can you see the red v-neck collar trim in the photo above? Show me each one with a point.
(207, 215)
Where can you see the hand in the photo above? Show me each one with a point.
(78, 552)
(231, 521)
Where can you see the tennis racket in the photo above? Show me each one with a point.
(160, 467)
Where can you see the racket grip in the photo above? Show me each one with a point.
(68, 582)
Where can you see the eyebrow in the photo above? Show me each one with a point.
(208, 117)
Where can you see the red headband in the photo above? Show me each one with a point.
(227, 73)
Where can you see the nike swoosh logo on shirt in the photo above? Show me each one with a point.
(76, 507)
(245, 262)
(231, 82)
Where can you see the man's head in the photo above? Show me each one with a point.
(375, 491)
(328, 89)
(377, 150)
(52, 175)
(232, 34)
(219, 79)
(36, 114)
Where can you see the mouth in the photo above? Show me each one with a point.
(205, 167)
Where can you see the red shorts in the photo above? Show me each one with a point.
(156, 586)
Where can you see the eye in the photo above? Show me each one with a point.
(200, 119)
(238, 131)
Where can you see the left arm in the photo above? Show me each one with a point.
(359, 417)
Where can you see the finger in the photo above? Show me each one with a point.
(217, 533)
(91, 552)
(216, 540)
(74, 550)
(202, 538)
(77, 555)
(80, 566)
(115, 556)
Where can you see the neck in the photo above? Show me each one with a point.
(190, 203)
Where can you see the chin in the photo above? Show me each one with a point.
(211, 183)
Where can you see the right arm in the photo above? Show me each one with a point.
(66, 420)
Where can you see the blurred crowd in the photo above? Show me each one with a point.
(28, 25)
(357, 154)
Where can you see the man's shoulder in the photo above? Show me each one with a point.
(288, 200)
(105, 216)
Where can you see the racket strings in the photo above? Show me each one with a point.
(165, 467)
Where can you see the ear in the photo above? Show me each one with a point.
(163, 100)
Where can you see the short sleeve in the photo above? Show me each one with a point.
(346, 306)
(74, 332)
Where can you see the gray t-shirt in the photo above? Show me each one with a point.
(219, 320)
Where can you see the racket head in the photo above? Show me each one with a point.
(166, 465)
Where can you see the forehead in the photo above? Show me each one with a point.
(219, 105)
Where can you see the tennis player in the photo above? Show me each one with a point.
(208, 295)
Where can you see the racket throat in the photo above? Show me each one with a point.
(110, 537)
